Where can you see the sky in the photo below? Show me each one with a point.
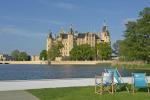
(24, 24)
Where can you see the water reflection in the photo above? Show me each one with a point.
(23, 72)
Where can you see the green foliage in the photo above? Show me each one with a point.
(82, 52)
(136, 45)
(23, 56)
(55, 51)
(104, 51)
(15, 55)
(43, 55)
(20, 56)
(85, 93)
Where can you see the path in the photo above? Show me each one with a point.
(51, 83)
(16, 95)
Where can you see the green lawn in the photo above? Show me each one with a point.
(85, 93)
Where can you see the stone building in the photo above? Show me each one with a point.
(72, 38)
(5, 57)
(35, 58)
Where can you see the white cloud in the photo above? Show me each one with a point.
(35, 20)
(65, 5)
(59, 4)
(54, 22)
(12, 30)
(129, 19)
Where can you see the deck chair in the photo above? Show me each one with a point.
(139, 80)
(104, 83)
(119, 83)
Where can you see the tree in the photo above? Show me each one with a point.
(20, 56)
(82, 52)
(23, 56)
(136, 45)
(43, 55)
(15, 55)
(55, 50)
(104, 51)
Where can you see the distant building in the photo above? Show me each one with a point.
(72, 38)
(1, 57)
(35, 58)
(5, 57)
(114, 56)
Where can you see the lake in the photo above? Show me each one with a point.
(28, 72)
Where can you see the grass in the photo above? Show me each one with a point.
(135, 66)
(85, 93)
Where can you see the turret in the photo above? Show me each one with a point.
(70, 38)
(71, 30)
(105, 36)
(49, 40)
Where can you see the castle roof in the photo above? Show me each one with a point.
(81, 35)
(64, 36)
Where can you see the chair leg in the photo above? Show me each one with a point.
(95, 85)
(95, 88)
(133, 89)
(127, 89)
(112, 91)
(101, 89)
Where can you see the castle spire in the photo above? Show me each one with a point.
(104, 23)
(49, 33)
(105, 27)
(71, 29)
(61, 30)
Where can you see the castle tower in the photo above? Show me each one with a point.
(61, 31)
(105, 36)
(49, 40)
(70, 39)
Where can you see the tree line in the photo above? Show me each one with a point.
(136, 43)
(82, 52)
(20, 55)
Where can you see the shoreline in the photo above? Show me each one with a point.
(57, 62)
(114, 63)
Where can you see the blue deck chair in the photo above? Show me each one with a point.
(139, 80)
(104, 84)
(119, 83)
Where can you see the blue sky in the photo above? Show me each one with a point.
(24, 23)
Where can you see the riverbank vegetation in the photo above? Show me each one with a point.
(83, 52)
(136, 43)
(128, 65)
(20, 55)
(104, 51)
(43, 55)
(54, 51)
(85, 93)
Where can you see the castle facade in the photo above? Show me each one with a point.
(72, 38)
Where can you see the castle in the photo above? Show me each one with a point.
(72, 38)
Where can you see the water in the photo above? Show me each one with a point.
(24, 72)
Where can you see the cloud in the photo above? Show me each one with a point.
(12, 30)
(59, 4)
(129, 19)
(35, 20)
(65, 5)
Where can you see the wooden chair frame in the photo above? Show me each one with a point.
(99, 87)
